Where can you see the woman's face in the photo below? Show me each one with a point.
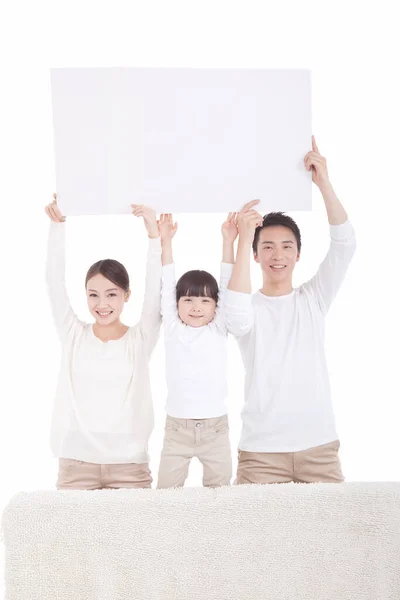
(105, 299)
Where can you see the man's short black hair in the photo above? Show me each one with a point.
(277, 218)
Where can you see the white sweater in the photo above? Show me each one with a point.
(195, 356)
(287, 394)
(103, 409)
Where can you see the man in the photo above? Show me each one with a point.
(289, 429)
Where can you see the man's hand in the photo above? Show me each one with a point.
(248, 220)
(317, 164)
(149, 218)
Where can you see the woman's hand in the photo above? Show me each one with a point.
(149, 218)
(53, 212)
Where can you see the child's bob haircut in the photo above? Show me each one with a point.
(197, 283)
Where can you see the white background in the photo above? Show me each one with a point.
(180, 140)
(351, 49)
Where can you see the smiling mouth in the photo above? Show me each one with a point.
(104, 315)
(278, 267)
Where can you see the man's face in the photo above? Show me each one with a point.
(277, 253)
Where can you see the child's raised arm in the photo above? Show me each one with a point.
(169, 309)
(167, 230)
(229, 232)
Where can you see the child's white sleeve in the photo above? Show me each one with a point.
(150, 319)
(64, 317)
(225, 275)
(169, 309)
(331, 273)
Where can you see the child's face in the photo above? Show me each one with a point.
(196, 311)
(277, 253)
(105, 299)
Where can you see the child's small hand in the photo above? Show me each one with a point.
(166, 227)
(229, 228)
(53, 212)
(149, 218)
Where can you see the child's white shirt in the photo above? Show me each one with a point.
(195, 356)
(103, 410)
(288, 404)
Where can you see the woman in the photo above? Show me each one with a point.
(103, 414)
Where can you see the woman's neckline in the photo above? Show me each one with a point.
(108, 341)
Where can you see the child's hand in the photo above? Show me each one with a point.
(317, 164)
(229, 228)
(53, 212)
(149, 218)
(166, 227)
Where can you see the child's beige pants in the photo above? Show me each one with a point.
(206, 439)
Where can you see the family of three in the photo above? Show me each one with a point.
(103, 413)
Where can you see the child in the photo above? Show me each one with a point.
(195, 341)
(103, 414)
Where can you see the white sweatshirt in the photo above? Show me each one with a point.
(195, 356)
(288, 403)
(103, 409)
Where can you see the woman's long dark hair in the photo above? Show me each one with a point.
(112, 270)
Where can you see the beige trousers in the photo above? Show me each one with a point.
(80, 475)
(319, 464)
(206, 439)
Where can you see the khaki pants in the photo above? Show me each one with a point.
(320, 464)
(206, 439)
(80, 475)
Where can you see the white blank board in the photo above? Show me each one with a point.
(181, 140)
